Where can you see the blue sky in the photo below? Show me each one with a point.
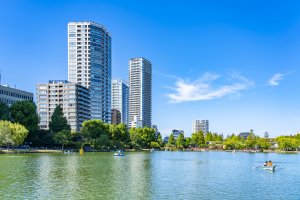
(235, 63)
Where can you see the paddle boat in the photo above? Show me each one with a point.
(119, 153)
(269, 168)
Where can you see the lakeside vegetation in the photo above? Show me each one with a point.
(19, 125)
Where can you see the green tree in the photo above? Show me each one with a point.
(159, 140)
(62, 137)
(4, 111)
(142, 137)
(102, 142)
(119, 135)
(198, 139)
(58, 121)
(154, 145)
(209, 137)
(263, 143)
(180, 141)
(24, 113)
(93, 129)
(12, 134)
(188, 142)
(266, 135)
(251, 140)
(171, 141)
(233, 142)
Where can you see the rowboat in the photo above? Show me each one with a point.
(119, 153)
(269, 168)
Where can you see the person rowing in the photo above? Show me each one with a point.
(270, 164)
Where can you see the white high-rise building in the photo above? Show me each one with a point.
(201, 125)
(140, 92)
(89, 64)
(120, 99)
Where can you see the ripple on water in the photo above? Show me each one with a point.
(160, 175)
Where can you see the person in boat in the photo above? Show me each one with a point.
(270, 163)
(266, 163)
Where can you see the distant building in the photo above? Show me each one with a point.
(166, 139)
(245, 134)
(9, 95)
(200, 125)
(176, 133)
(73, 98)
(120, 99)
(136, 123)
(156, 130)
(115, 116)
(140, 92)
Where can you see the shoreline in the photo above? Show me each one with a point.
(29, 151)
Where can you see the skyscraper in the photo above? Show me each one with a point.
(120, 98)
(140, 92)
(201, 125)
(89, 64)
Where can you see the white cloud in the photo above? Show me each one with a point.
(206, 88)
(274, 81)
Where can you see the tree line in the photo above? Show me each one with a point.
(19, 125)
(21, 119)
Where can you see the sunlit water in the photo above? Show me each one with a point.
(141, 175)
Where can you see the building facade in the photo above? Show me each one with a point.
(156, 130)
(89, 64)
(73, 98)
(176, 133)
(140, 92)
(120, 99)
(201, 125)
(115, 116)
(9, 95)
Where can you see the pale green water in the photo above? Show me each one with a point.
(157, 175)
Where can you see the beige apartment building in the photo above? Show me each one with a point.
(73, 98)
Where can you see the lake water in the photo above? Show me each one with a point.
(143, 175)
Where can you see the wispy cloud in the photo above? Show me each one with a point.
(207, 87)
(275, 79)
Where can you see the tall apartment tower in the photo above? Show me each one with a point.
(201, 125)
(120, 99)
(140, 92)
(89, 64)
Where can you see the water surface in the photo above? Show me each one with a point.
(143, 175)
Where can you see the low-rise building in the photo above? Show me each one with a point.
(9, 95)
(73, 98)
(245, 134)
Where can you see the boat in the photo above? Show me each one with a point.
(119, 153)
(269, 168)
(68, 152)
(151, 150)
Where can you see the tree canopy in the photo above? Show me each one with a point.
(58, 121)
(24, 113)
(4, 111)
(12, 134)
